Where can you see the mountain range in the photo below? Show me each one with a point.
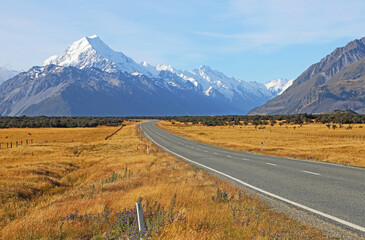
(91, 79)
(336, 82)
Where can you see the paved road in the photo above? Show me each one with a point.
(334, 192)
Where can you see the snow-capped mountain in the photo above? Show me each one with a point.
(93, 52)
(278, 86)
(208, 81)
(90, 69)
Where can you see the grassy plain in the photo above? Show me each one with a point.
(314, 141)
(77, 172)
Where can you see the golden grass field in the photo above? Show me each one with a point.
(69, 170)
(314, 141)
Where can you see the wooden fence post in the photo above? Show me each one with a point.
(262, 144)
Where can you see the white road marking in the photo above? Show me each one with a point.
(312, 173)
(333, 218)
(197, 148)
(272, 164)
(245, 159)
(215, 153)
(229, 156)
(205, 151)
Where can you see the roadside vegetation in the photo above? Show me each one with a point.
(328, 142)
(58, 122)
(74, 184)
(337, 117)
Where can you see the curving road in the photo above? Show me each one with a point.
(334, 192)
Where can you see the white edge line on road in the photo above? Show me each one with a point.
(317, 162)
(312, 173)
(344, 222)
(271, 164)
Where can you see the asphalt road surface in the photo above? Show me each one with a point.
(334, 192)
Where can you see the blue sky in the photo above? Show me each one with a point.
(253, 40)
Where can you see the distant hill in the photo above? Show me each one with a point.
(336, 82)
(5, 74)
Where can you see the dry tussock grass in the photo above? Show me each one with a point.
(315, 141)
(44, 183)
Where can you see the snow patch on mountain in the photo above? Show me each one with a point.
(208, 91)
(278, 86)
(150, 69)
(163, 67)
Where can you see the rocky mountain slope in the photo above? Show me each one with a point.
(68, 91)
(333, 83)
